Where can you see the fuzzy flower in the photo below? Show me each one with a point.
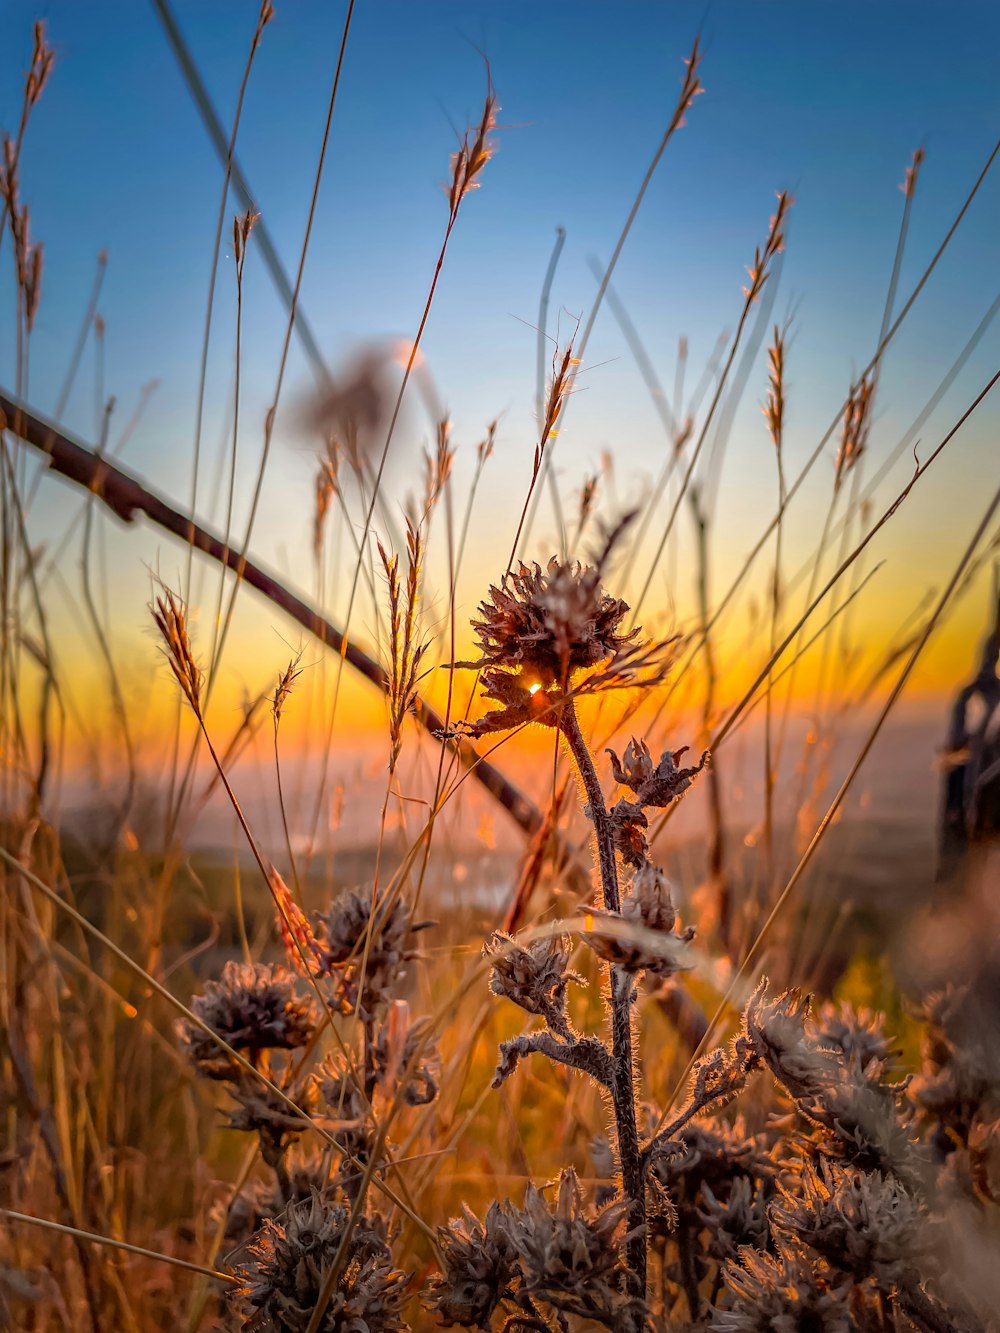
(711, 1156)
(654, 786)
(784, 1293)
(570, 1256)
(539, 630)
(288, 1264)
(534, 976)
(253, 1007)
(550, 623)
(480, 1260)
(862, 1222)
(863, 1120)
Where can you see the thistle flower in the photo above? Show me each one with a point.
(539, 630)
(570, 1256)
(253, 1007)
(658, 785)
(288, 1265)
(480, 1260)
(784, 1293)
(862, 1222)
(534, 976)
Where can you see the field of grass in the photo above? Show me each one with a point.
(502, 906)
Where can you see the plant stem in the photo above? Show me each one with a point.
(623, 1083)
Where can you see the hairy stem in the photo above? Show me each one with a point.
(623, 1082)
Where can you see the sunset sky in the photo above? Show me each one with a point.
(826, 101)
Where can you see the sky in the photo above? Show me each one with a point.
(825, 101)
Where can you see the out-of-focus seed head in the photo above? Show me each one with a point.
(479, 1261)
(253, 1007)
(288, 1265)
(784, 1293)
(863, 1222)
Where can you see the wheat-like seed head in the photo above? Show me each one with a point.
(170, 618)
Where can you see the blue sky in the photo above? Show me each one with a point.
(826, 100)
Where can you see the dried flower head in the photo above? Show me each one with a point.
(253, 1007)
(628, 827)
(864, 1223)
(405, 1057)
(288, 1266)
(784, 1293)
(479, 1262)
(570, 1256)
(534, 975)
(551, 623)
(777, 1031)
(654, 786)
(859, 1033)
(740, 1219)
(354, 922)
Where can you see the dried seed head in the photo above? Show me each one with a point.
(660, 786)
(760, 270)
(473, 153)
(639, 938)
(859, 1033)
(571, 1255)
(777, 1031)
(909, 184)
(551, 623)
(536, 632)
(42, 60)
(288, 1265)
(283, 688)
(862, 1222)
(387, 928)
(741, 1219)
(252, 1007)
(479, 1260)
(785, 1292)
(628, 825)
(534, 975)
(170, 617)
(856, 427)
(405, 1057)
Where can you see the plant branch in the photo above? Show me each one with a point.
(622, 992)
